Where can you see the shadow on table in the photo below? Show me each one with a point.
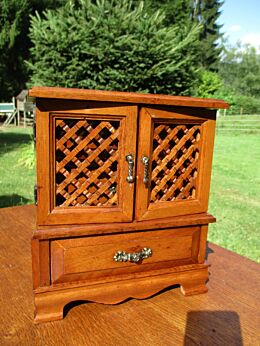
(208, 251)
(213, 328)
(13, 200)
(12, 140)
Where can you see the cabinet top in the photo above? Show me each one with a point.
(125, 97)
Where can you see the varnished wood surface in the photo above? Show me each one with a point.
(126, 97)
(227, 315)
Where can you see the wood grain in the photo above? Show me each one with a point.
(127, 97)
(227, 315)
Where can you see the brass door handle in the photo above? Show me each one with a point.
(145, 161)
(135, 257)
(130, 160)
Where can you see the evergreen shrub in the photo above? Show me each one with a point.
(112, 45)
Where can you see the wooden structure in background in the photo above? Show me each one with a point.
(122, 189)
(8, 112)
(25, 108)
(20, 111)
(228, 314)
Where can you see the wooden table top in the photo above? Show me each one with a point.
(228, 314)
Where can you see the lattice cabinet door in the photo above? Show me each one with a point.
(85, 150)
(174, 162)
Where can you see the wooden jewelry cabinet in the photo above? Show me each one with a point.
(122, 195)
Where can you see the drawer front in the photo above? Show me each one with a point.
(91, 258)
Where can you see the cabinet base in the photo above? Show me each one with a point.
(49, 304)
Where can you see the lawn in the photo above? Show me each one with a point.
(235, 187)
(235, 191)
(16, 181)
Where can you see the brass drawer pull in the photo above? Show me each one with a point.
(130, 160)
(122, 256)
(145, 161)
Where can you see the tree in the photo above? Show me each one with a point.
(206, 13)
(11, 33)
(177, 12)
(115, 45)
(240, 72)
(240, 69)
(14, 42)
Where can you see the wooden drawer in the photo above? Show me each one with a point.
(92, 258)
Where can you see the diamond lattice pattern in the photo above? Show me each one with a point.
(86, 162)
(174, 162)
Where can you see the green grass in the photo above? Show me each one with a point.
(16, 181)
(235, 187)
(235, 191)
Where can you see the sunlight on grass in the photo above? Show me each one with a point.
(16, 180)
(235, 190)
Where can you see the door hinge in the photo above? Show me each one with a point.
(35, 194)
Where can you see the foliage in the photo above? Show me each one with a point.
(12, 78)
(246, 105)
(210, 84)
(126, 54)
(15, 43)
(112, 45)
(238, 80)
(176, 12)
(240, 71)
(27, 155)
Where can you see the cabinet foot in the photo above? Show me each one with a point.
(47, 310)
(193, 288)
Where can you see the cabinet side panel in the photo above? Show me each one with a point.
(42, 165)
(208, 134)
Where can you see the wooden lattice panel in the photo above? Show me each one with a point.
(87, 153)
(176, 150)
